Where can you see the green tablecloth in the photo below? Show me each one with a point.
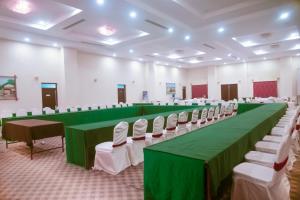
(82, 139)
(175, 169)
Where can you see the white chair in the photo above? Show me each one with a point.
(253, 181)
(94, 107)
(222, 112)
(228, 110)
(136, 143)
(194, 122)
(72, 109)
(235, 109)
(85, 108)
(62, 109)
(182, 123)
(48, 110)
(171, 126)
(216, 113)
(210, 115)
(112, 157)
(21, 113)
(6, 114)
(157, 134)
(203, 117)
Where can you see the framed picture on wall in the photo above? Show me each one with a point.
(171, 88)
(8, 88)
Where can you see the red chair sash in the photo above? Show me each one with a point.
(209, 119)
(203, 122)
(171, 129)
(118, 145)
(235, 110)
(297, 127)
(157, 135)
(193, 122)
(185, 122)
(278, 166)
(139, 138)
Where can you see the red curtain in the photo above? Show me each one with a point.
(199, 91)
(265, 89)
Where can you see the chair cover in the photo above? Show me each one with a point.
(136, 143)
(157, 133)
(255, 182)
(194, 121)
(222, 112)
(203, 117)
(217, 113)
(210, 115)
(171, 126)
(112, 157)
(182, 123)
(48, 110)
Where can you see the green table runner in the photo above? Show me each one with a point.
(175, 169)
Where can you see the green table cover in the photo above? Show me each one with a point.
(176, 169)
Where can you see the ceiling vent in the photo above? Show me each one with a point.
(209, 46)
(274, 45)
(156, 24)
(266, 35)
(74, 24)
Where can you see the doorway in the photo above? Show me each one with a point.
(49, 95)
(184, 92)
(121, 93)
(229, 91)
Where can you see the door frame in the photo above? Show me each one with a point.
(56, 93)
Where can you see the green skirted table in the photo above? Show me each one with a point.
(82, 139)
(192, 166)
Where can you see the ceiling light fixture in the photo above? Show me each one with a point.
(298, 54)
(132, 14)
(221, 30)
(194, 61)
(22, 6)
(156, 54)
(55, 44)
(296, 47)
(106, 30)
(200, 53)
(27, 39)
(234, 38)
(110, 41)
(248, 43)
(218, 59)
(229, 55)
(260, 52)
(131, 51)
(170, 30)
(293, 36)
(187, 37)
(173, 56)
(100, 2)
(114, 54)
(238, 58)
(265, 58)
(284, 15)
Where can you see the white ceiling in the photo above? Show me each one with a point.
(253, 29)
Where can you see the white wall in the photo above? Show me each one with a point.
(283, 70)
(82, 78)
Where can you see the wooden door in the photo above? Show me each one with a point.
(183, 92)
(121, 93)
(225, 92)
(49, 95)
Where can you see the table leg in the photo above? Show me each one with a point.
(31, 151)
(62, 144)
(6, 144)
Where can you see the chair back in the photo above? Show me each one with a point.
(139, 129)
(85, 108)
(120, 134)
(217, 112)
(195, 116)
(171, 122)
(228, 110)
(222, 111)
(6, 114)
(203, 115)
(235, 107)
(183, 118)
(48, 110)
(158, 126)
(210, 114)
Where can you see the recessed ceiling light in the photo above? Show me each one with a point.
(265, 58)
(157, 62)
(114, 54)
(156, 54)
(234, 38)
(22, 6)
(221, 30)
(298, 54)
(173, 56)
(106, 30)
(27, 39)
(167, 64)
(224, 63)
(187, 37)
(131, 51)
(100, 2)
(218, 59)
(293, 36)
(238, 58)
(170, 30)
(110, 41)
(260, 52)
(55, 44)
(296, 47)
(132, 14)
(194, 61)
(248, 43)
(141, 59)
(284, 15)
(229, 55)
(200, 53)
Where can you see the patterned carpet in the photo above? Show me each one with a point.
(48, 176)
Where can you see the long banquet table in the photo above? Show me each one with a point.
(192, 166)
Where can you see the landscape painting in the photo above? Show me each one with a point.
(171, 88)
(8, 90)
